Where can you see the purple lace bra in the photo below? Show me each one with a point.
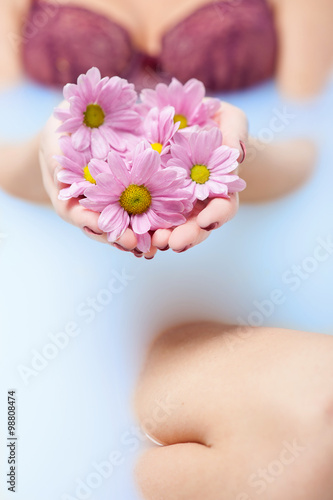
(227, 45)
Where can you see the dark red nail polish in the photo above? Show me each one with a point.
(184, 249)
(120, 247)
(215, 225)
(164, 249)
(89, 230)
(149, 258)
(137, 253)
(244, 151)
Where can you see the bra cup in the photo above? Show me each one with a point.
(225, 46)
(70, 42)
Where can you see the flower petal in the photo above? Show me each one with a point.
(144, 166)
(143, 242)
(73, 191)
(70, 126)
(70, 90)
(97, 167)
(81, 139)
(236, 185)
(201, 191)
(112, 218)
(140, 223)
(165, 222)
(62, 114)
(119, 168)
(99, 146)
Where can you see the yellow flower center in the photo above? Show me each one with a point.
(182, 119)
(135, 199)
(87, 175)
(200, 174)
(93, 116)
(157, 146)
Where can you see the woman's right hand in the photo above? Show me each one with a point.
(71, 211)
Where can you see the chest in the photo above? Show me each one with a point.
(145, 20)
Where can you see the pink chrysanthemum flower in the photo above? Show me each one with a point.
(145, 198)
(101, 113)
(159, 129)
(207, 164)
(188, 101)
(76, 171)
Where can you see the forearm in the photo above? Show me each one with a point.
(20, 173)
(276, 169)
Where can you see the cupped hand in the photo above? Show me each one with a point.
(71, 211)
(206, 216)
(212, 213)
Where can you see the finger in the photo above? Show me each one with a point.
(161, 239)
(151, 254)
(218, 212)
(128, 240)
(234, 127)
(185, 236)
(100, 237)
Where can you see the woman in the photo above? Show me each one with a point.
(202, 474)
(51, 48)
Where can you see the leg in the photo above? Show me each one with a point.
(250, 415)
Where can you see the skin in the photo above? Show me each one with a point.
(146, 21)
(224, 401)
(191, 233)
(211, 449)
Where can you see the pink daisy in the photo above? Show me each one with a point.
(159, 129)
(145, 198)
(188, 101)
(101, 113)
(79, 170)
(207, 164)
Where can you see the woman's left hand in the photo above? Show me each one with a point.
(214, 213)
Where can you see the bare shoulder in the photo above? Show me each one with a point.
(306, 45)
(12, 17)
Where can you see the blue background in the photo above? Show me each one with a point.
(76, 410)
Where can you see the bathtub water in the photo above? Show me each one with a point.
(76, 316)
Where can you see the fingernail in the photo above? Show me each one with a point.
(184, 249)
(164, 249)
(89, 230)
(215, 225)
(149, 258)
(137, 253)
(244, 152)
(120, 247)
